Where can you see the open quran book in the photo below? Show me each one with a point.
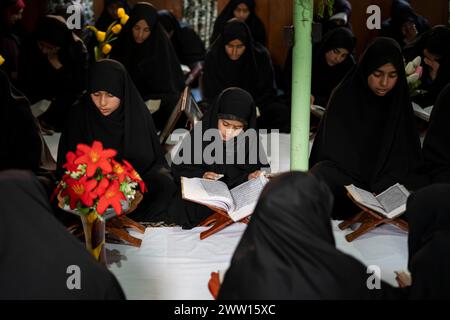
(238, 202)
(422, 113)
(390, 203)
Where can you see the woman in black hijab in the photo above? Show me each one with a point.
(340, 17)
(109, 13)
(436, 147)
(234, 60)
(434, 47)
(288, 249)
(231, 118)
(187, 44)
(404, 25)
(53, 67)
(243, 10)
(368, 136)
(114, 113)
(20, 140)
(38, 253)
(144, 49)
(428, 212)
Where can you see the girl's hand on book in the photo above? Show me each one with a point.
(211, 175)
(255, 174)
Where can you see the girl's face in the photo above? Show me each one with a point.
(235, 49)
(141, 31)
(105, 102)
(383, 79)
(336, 56)
(431, 60)
(241, 12)
(229, 128)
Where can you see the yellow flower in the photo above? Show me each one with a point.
(120, 12)
(101, 36)
(2, 60)
(124, 19)
(116, 29)
(106, 48)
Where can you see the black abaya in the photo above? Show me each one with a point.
(37, 251)
(365, 139)
(129, 130)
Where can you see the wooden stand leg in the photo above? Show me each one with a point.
(348, 223)
(118, 225)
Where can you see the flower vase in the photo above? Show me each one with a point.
(94, 235)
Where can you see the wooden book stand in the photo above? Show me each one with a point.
(369, 220)
(218, 221)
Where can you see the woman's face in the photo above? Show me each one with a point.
(112, 10)
(336, 56)
(13, 18)
(105, 102)
(431, 60)
(235, 49)
(229, 128)
(241, 12)
(141, 31)
(383, 79)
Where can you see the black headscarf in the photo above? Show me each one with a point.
(373, 139)
(232, 104)
(20, 141)
(437, 42)
(129, 130)
(37, 251)
(428, 212)
(252, 71)
(153, 65)
(339, 6)
(326, 78)
(105, 20)
(436, 147)
(187, 44)
(288, 249)
(255, 24)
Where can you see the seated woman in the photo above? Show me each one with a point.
(230, 118)
(234, 60)
(368, 135)
(37, 251)
(187, 44)
(113, 112)
(288, 251)
(428, 212)
(404, 25)
(434, 47)
(144, 49)
(109, 13)
(243, 10)
(53, 66)
(340, 16)
(332, 59)
(436, 148)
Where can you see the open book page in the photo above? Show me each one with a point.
(365, 198)
(245, 197)
(393, 200)
(207, 192)
(40, 107)
(153, 105)
(423, 113)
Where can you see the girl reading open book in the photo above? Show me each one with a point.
(233, 113)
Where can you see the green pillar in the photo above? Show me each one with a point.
(301, 84)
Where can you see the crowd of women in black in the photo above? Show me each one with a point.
(368, 137)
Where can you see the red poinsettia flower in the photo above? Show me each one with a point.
(80, 190)
(134, 175)
(112, 197)
(95, 157)
(119, 170)
(101, 187)
(70, 164)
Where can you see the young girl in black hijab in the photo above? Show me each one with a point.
(340, 17)
(113, 112)
(187, 44)
(428, 212)
(243, 10)
(234, 60)
(436, 147)
(37, 252)
(232, 114)
(144, 49)
(368, 136)
(53, 67)
(288, 250)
